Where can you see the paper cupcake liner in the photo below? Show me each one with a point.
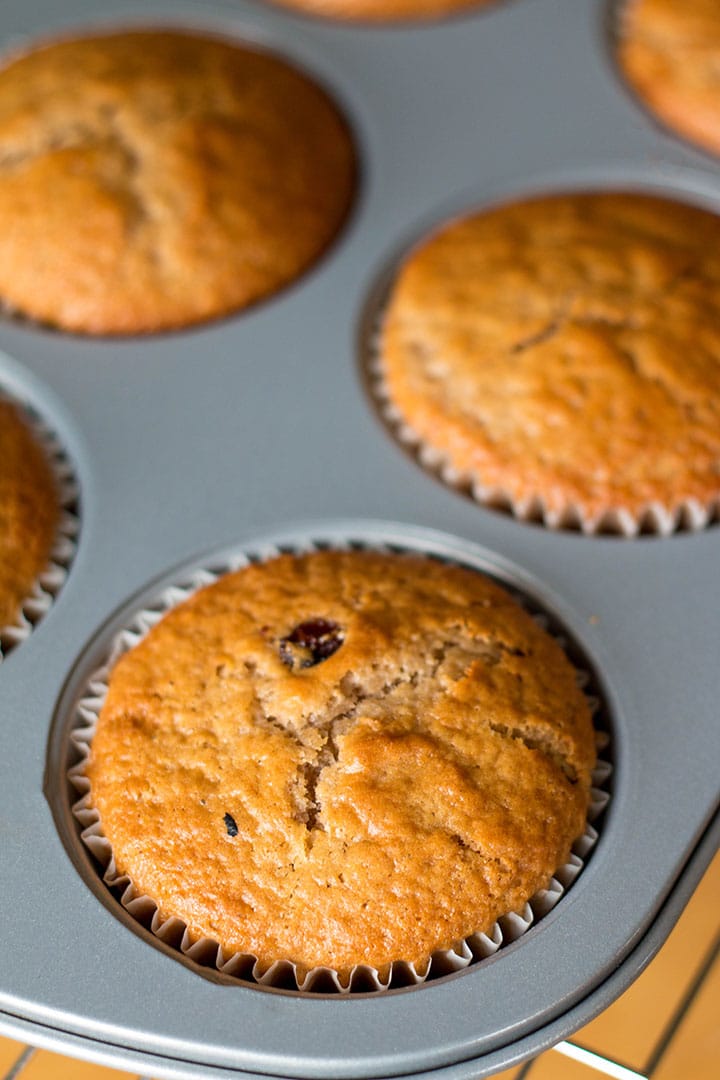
(654, 518)
(284, 974)
(50, 581)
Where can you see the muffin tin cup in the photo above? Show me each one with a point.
(51, 580)
(283, 974)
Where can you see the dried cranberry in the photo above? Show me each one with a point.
(310, 643)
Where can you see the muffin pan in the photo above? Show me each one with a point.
(258, 431)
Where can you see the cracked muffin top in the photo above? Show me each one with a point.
(29, 512)
(565, 348)
(670, 54)
(151, 180)
(385, 10)
(343, 758)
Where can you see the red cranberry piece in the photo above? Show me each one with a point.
(310, 643)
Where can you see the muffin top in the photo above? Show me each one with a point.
(29, 512)
(150, 180)
(384, 10)
(342, 758)
(566, 348)
(670, 53)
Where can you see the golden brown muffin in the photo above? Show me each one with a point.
(566, 348)
(151, 180)
(669, 50)
(342, 758)
(29, 512)
(385, 10)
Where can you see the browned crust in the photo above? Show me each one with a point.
(155, 179)
(427, 777)
(376, 11)
(29, 512)
(669, 51)
(566, 347)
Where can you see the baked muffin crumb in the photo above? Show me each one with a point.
(29, 511)
(381, 11)
(670, 54)
(150, 180)
(563, 351)
(426, 776)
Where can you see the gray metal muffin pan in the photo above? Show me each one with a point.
(258, 427)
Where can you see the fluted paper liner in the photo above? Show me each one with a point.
(282, 973)
(689, 515)
(52, 578)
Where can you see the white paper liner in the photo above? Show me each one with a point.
(689, 515)
(284, 974)
(52, 578)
